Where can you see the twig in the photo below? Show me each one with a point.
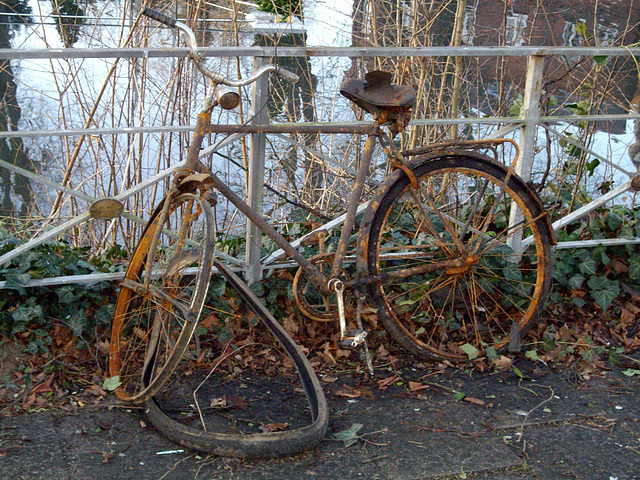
(361, 437)
(521, 430)
(220, 360)
(174, 466)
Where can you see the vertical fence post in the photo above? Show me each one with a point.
(255, 186)
(531, 118)
(531, 114)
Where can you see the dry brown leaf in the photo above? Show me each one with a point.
(274, 427)
(348, 392)
(219, 402)
(96, 390)
(502, 362)
(290, 325)
(238, 402)
(385, 382)
(103, 346)
(475, 401)
(417, 386)
(619, 267)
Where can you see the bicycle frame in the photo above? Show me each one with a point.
(373, 132)
(217, 89)
(326, 283)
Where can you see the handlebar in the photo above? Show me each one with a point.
(216, 77)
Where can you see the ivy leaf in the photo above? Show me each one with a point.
(634, 268)
(17, 281)
(576, 281)
(349, 436)
(218, 286)
(257, 288)
(592, 165)
(630, 372)
(470, 350)
(111, 383)
(601, 59)
(104, 315)
(77, 322)
(66, 295)
(512, 272)
(603, 290)
(532, 355)
(27, 313)
(587, 266)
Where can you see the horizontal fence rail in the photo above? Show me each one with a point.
(353, 52)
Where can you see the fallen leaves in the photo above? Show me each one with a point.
(274, 427)
(417, 386)
(385, 382)
(348, 392)
(352, 434)
(475, 401)
(349, 436)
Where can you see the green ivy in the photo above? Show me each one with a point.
(603, 270)
(32, 312)
(282, 8)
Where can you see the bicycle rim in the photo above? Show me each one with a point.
(461, 211)
(161, 297)
(192, 410)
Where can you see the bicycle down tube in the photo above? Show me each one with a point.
(371, 130)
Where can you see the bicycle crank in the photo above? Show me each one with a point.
(352, 338)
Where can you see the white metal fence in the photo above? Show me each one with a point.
(527, 124)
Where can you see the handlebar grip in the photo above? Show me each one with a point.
(287, 75)
(159, 17)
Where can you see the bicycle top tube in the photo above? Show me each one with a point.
(372, 128)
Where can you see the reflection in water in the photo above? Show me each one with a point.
(295, 102)
(11, 150)
(69, 17)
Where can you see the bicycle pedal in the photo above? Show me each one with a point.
(353, 339)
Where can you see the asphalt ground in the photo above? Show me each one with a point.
(531, 422)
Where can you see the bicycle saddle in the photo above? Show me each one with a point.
(376, 93)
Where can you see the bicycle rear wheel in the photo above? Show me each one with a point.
(471, 289)
(161, 296)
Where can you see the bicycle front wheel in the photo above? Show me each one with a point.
(454, 280)
(192, 410)
(161, 297)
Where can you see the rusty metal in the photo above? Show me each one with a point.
(461, 146)
(329, 308)
(356, 193)
(455, 265)
(390, 104)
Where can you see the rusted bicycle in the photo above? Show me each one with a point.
(452, 252)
